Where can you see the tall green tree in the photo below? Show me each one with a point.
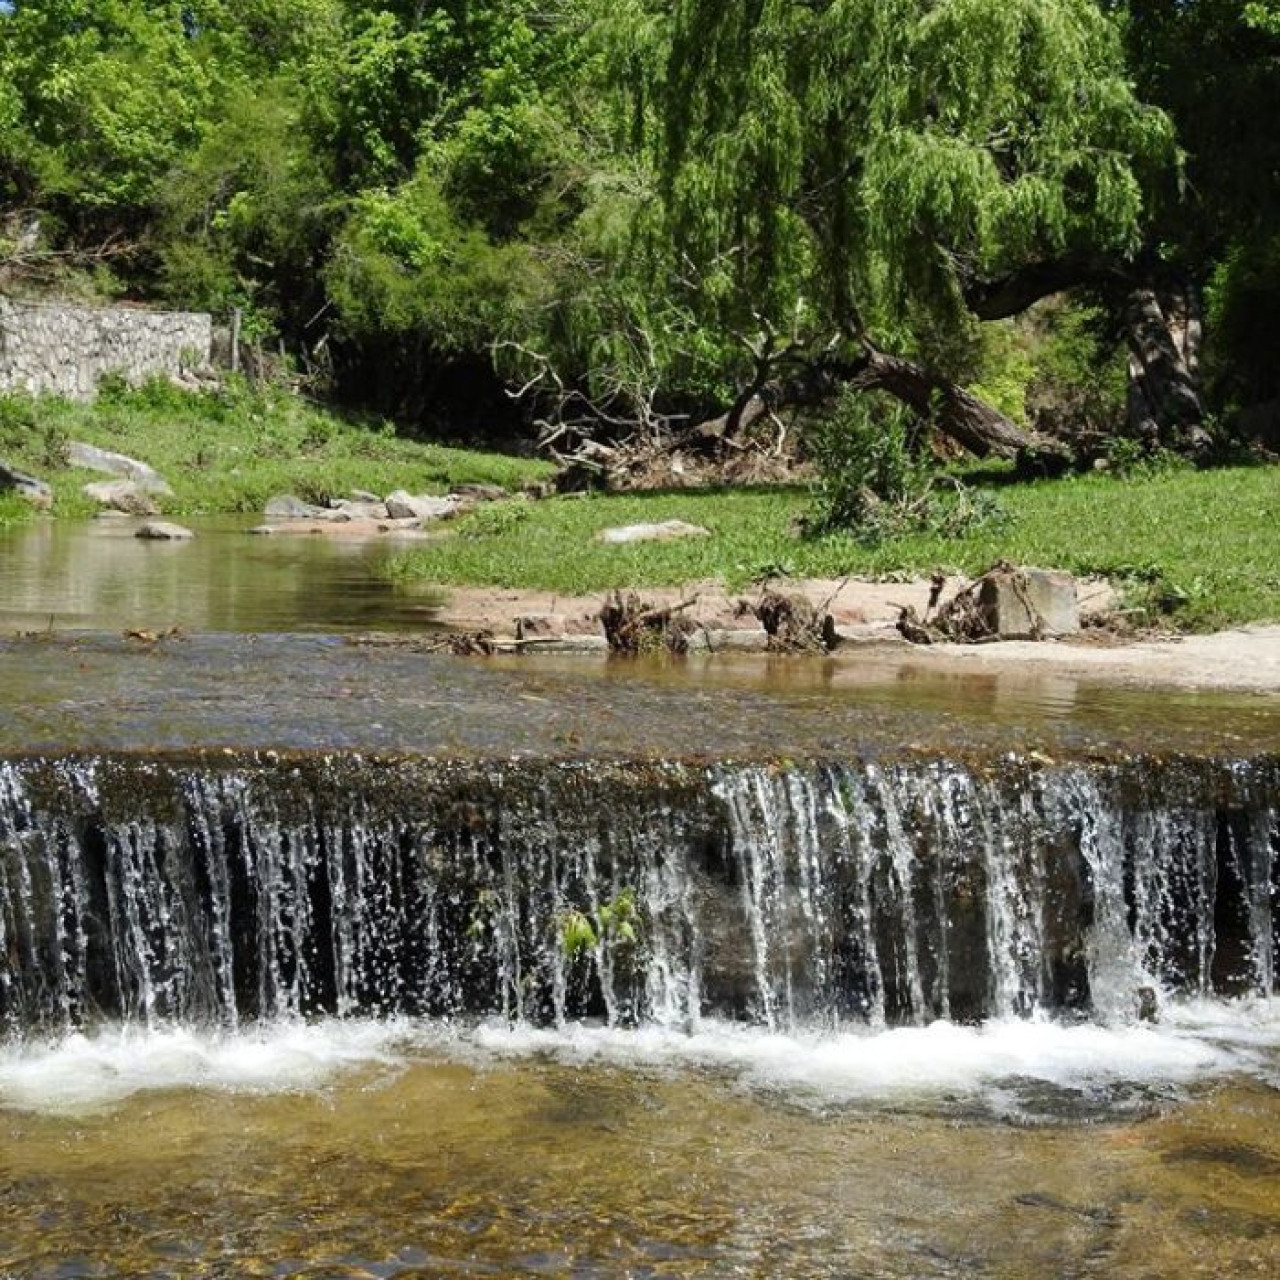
(870, 175)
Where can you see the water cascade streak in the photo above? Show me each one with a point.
(220, 890)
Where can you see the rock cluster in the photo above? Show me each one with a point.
(398, 510)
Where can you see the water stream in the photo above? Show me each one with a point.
(544, 969)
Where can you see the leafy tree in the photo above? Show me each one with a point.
(1215, 66)
(862, 174)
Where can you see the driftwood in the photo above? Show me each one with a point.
(794, 624)
(632, 627)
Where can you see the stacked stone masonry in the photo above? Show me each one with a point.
(67, 350)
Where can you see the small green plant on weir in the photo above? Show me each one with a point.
(616, 921)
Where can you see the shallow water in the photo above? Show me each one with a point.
(362, 1150)
(290, 692)
(62, 575)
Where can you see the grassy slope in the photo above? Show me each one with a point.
(1211, 540)
(233, 451)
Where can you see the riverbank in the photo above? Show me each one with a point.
(229, 451)
(1185, 550)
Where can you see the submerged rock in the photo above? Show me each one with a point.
(91, 458)
(664, 532)
(27, 487)
(164, 531)
(122, 495)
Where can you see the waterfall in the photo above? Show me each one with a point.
(218, 889)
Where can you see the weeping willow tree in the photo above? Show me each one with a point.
(871, 177)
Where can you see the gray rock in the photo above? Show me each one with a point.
(27, 487)
(264, 530)
(363, 495)
(91, 458)
(408, 506)
(163, 531)
(375, 510)
(664, 532)
(480, 492)
(1029, 604)
(287, 507)
(122, 495)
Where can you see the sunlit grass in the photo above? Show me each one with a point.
(1208, 541)
(230, 452)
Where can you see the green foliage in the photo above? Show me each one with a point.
(613, 923)
(850, 165)
(876, 483)
(14, 511)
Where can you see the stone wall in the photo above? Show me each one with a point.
(65, 350)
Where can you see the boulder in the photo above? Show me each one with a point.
(26, 487)
(286, 507)
(163, 531)
(363, 495)
(480, 492)
(407, 506)
(1028, 604)
(375, 510)
(664, 532)
(122, 495)
(90, 458)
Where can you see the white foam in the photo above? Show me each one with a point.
(1195, 1041)
(81, 1073)
(940, 1059)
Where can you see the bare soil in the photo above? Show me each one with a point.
(866, 614)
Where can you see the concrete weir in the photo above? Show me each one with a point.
(829, 865)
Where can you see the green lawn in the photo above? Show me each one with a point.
(1206, 543)
(232, 451)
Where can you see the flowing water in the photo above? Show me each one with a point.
(330, 962)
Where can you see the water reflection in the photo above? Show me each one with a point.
(58, 575)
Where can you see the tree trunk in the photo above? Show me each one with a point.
(952, 410)
(1162, 331)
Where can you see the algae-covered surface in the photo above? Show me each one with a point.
(305, 693)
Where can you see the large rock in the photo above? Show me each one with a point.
(1029, 604)
(358, 509)
(122, 495)
(480, 492)
(91, 458)
(664, 532)
(163, 531)
(27, 487)
(408, 506)
(286, 507)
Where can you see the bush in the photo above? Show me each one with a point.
(876, 482)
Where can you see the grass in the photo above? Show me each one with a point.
(229, 451)
(1202, 547)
